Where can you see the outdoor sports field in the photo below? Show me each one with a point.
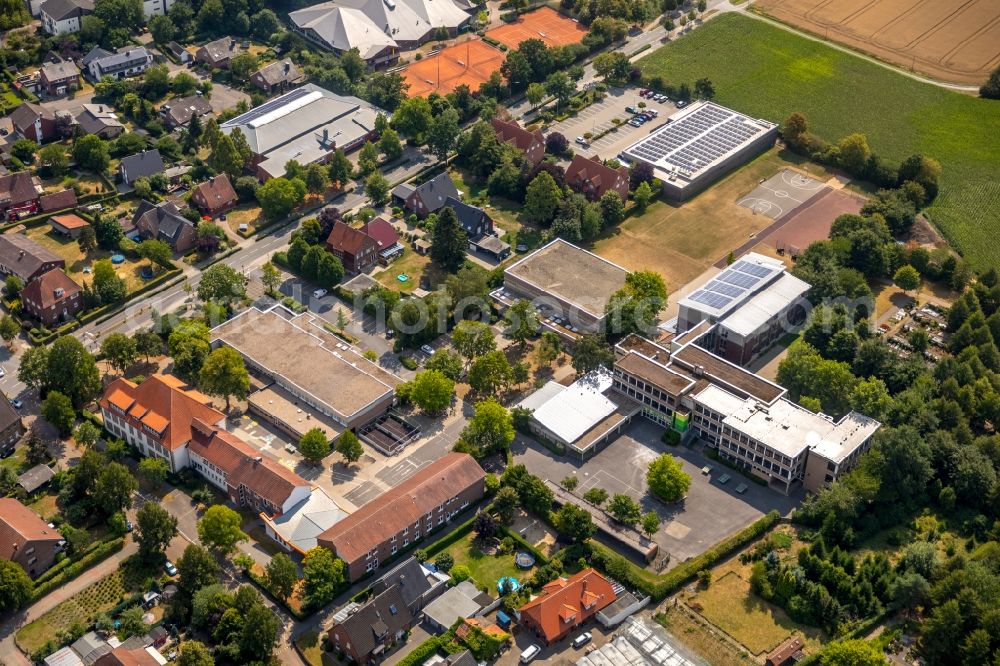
(545, 24)
(952, 40)
(470, 62)
(768, 72)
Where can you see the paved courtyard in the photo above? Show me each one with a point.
(710, 512)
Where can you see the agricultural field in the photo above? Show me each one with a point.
(768, 72)
(954, 40)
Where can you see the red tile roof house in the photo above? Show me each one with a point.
(356, 250)
(385, 236)
(155, 416)
(68, 225)
(247, 477)
(413, 509)
(565, 604)
(19, 195)
(591, 177)
(27, 539)
(52, 298)
(214, 196)
(34, 122)
(531, 144)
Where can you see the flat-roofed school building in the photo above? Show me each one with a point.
(568, 285)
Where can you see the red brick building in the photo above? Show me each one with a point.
(531, 144)
(27, 539)
(590, 177)
(356, 250)
(52, 298)
(214, 196)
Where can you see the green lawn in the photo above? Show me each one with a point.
(17, 460)
(486, 570)
(768, 72)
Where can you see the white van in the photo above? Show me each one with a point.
(529, 654)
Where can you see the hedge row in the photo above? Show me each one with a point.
(662, 586)
(259, 581)
(424, 651)
(96, 555)
(540, 559)
(452, 537)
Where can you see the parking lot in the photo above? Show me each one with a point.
(710, 512)
(597, 118)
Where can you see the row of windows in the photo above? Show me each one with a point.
(643, 386)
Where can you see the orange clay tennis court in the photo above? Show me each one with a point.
(470, 62)
(545, 24)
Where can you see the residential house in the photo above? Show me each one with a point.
(215, 196)
(151, 8)
(364, 633)
(565, 604)
(356, 250)
(590, 177)
(155, 416)
(141, 164)
(163, 221)
(130, 656)
(218, 54)
(62, 17)
(34, 122)
(180, 110)
(69, 225)
(478, 226)
(385, 236)
(124, 63)
(277, 77)
(461, 601)
(416, 584)
(52, 298)
(100, 120)
(786, 654)
(19, 195)
(11, 426)
(530, 144)
(27, 539)
(182, 54)
(426, 198)
(405, 514)
(35, 478)
(247, 477)
(59, 78)
(61, 200)
(23, 257)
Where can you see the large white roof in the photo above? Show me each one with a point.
(345, 28)
(308, 519)
(765, 305)
(578, 407)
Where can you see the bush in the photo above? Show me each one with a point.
(67, 570)
(409, 362)
(444, 562)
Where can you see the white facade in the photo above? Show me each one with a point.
(145, 441)
(63, 27)
(151, 8)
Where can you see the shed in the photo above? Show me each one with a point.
(35, 478)
(461, 601)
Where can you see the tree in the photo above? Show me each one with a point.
(490, 373)
(612, 209)
(612, 66)
(119, 351)
(390, 145)
(109, 233)
(907, 278)
(107, 285)
(367, 159)
(278, 196)
(270, 277)
(559, 85)
(221, 284)
(592, 351)
(15, 586)
(242, 66)
(219, 529)
(852, 653)
(650, 523)
(13, 286)
(634, 307)
(323, 574)
(666, 479)
(442, 133)
(473, 338)
(9, 329)
(33, 369)
(377, 189)
(24, 150)
(91, 152)
(194, 653)
(642, 196)
(226, 157)
(446, 362)
(444, 561)
(188, 345)
(314, 445)
(703, 88)
(224, 374)
(542, 197)
(162, 29)
(72, 370)
(196, 569)
(522, 321)
(114, 488)
(349, 447)
(53, 156)
(154, 528)
(86, 434)
(624, 509)
(574, 523)
(281, 575)
(317, 178)
(58, 410)
(535, 93)
(854, 153)
(87, 240)
(596, 496)
(556, 143)
(413, 118)
(431, 390)
(491, 428)
(485, 526)
(505, 504)
(154, 471)
(448, 241)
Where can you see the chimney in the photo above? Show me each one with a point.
(288, 66)
(258, 459)
(20, 255)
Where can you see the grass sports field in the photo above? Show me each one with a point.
(769, 72)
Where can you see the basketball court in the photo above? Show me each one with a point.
(781, 194)
(545, 24)
(812, 221)
(470, 63)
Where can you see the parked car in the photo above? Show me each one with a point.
(169, 567)
(581, 640)
(18, 404)
(580, 140)
(427, 349)
(528, 655)
(320, 293)
(129, 526)
(681, 104)
(631, 109)
(643, 92)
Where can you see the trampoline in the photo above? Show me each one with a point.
(514, 584)
(524, 560)
(403, 277)
(118, 258)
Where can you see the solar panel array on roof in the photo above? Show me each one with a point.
(269, 106)
(698, 139)
(732, 283)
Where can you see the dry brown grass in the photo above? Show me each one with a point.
(703, 640)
